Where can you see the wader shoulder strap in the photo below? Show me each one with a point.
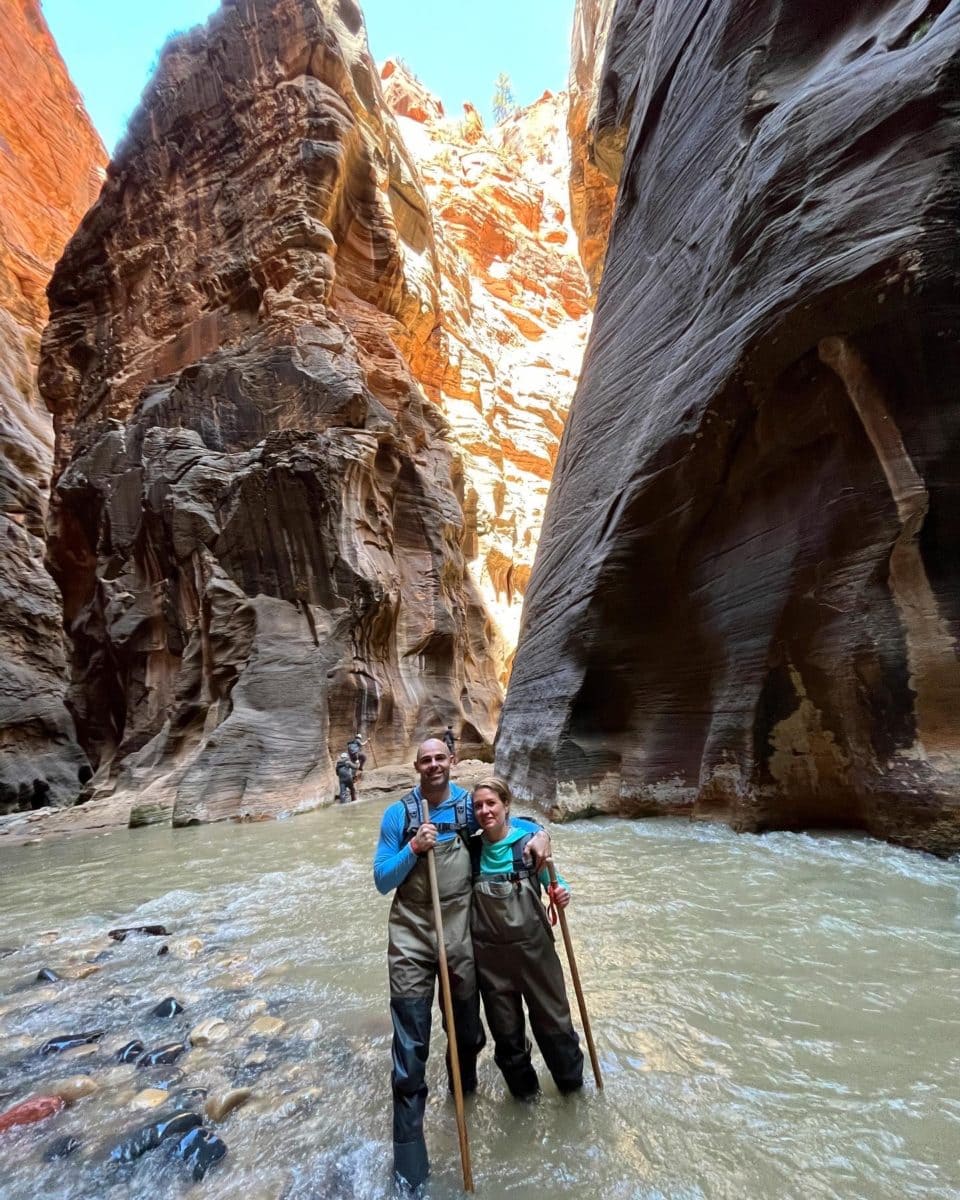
(521, 870)
(414, 817)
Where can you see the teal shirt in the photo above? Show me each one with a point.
(496, 858)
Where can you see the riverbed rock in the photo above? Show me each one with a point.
(47, 975)
(265, 1026)
(130, 1052)
(219, 1106)
(121, 934)
(149, 1137)
(169, 1007)
(29, 1112)
(185, 948)
(200, 1150)
(208, 1032)
(150, 1098)
(66, 1042)
(73, 1089)
(744, 604)
(161, 1056)
(62, 1147)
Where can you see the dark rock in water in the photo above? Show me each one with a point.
(61, 1148)
(149, 1137)
(162, 1055)
(200, 1149)
(164, 949)
(6, 951)
(68, 1041)
(47, 975)
(130, 1052)
(102, 956)
(167, 1008)
(120, 935)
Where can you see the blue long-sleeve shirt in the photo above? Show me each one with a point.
(393, 859)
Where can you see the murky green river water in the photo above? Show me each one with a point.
(776, 1017)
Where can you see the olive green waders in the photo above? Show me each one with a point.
(517, 961)
(413, 963)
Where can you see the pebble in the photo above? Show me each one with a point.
(130, 1052)
(167, 1008)
(185, 947)
(120, 935)
(252, 1008)
(6, 951)
(47, 937)
(149, 1098)
(200, 1149)
(47, 975)
(212, 1030)
(76, 1052)
(28, 1112)
(218, 1107)
(75, 1088)
(80, 971)
(264, 1027)
(70, 1041)
(61, 1148)
(161, 1056)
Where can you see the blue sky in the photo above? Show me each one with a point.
(456, 47)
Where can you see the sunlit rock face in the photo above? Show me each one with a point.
(502, 362)
(50, 172)
(746, 600)
(253, 521)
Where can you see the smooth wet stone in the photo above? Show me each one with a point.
(77, 1052)
(209, 1031)
(164, 949)
(121, 934)
(200, 1149)
(47, 937)
(161, 1055)
(251, 1008)
(29, 1112)
(309, 1030)
(220, 1106)
(188, 1098)
(186, 948)
(70, 1041)
(130, 1052)
(6, 951)
(117, 1076)
(265, 1027)
(74, 1088)
(47, 975)
(80, 971)
(150, 1098)
(63, 1147)
(168, 1007)
(150, 1136)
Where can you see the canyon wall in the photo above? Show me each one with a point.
(745, 602)
(256, 518)
(503, 359)
(50, 172)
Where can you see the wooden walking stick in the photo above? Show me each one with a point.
(448, 1013)
(575, 975)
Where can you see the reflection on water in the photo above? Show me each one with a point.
(776, 1017)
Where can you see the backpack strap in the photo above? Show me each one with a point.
(414, 818)
(521, 869)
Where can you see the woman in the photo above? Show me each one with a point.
(515, 954)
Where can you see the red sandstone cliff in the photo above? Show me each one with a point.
(745, 602)
(253, 521)
(50, 172)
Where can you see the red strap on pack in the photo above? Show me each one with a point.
(552, 915)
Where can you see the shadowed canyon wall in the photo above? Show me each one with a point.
(745, 602)
(253, 521)
(50, 172)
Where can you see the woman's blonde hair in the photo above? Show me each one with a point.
(498, 787)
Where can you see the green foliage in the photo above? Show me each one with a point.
(503, 103)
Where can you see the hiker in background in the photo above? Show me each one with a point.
(345, 773)
(400, 862)
(516, 957)
(450, 741)
(355, 750)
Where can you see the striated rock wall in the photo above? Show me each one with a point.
(746, 599)
(50, 172)
(253, 523)
(503, 359)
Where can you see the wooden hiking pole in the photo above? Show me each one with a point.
(575, 975)
(448, 1014)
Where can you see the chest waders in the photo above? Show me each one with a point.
(517, 961)
(412, 961)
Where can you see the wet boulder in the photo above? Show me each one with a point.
(167, 1008)
(130, 1052)
(121, 934)
(149, 1137)
(70, 1041)
(162, 1056)
(47, 975)
(200, 1149)
(62, 1147)
(29, 1112)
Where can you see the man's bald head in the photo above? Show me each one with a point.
(433, 766)
(429, 748)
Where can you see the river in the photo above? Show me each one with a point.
(776, 1016)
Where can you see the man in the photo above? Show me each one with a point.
(345, 773)
(401, 862)
(450, 741)
(355, 750)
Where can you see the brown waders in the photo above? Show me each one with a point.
(517, 961)
(412, 962)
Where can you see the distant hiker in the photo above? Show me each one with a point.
(355, 750)
(345, 773)
(516, 957)
(450, 741)
(400, 862)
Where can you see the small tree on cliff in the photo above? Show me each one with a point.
(503, 103)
